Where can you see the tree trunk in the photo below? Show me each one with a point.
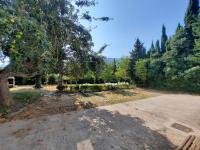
(38, 81)
(5, 98)
(60, 80)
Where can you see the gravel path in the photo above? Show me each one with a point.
(140, 125)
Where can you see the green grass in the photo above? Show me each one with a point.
(3, 110)
(25, 96)
(21, 98)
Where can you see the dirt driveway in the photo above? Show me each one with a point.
(158, 123)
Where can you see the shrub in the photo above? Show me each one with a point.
(91, 87)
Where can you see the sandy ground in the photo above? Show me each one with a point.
(140, 125)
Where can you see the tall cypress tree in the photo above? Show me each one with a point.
(190, 18)
(157, 46)
(155, 50)
(150, 50)
(164, 39)
(192, 12)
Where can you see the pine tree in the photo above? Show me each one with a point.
(139, 49)
(136, 54)
(164, 39)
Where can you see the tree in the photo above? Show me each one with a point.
(150, 50)
(136, 54)
(107, 74)
(122, 71)
(39, 36)
(195, 55)
(190, 18)
(176, 63)
(155, 51)
(24, 41)
(157, 47)
(156, 65)
(192, 12)
(114, 67)
(74, 70)
(142, 70)
(164, 39)
(155, 72)
(175, 57)
(97, 62)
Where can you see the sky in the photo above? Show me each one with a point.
(134, 19)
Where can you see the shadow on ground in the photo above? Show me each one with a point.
(94, 129)
(116, 131)
(123, 92)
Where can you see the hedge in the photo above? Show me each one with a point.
(71, 88)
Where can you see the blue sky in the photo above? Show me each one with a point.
(132, 19)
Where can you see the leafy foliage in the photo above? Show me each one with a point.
(122, 71)
(174, 65)
(164, 39)
(142, 70)
(137, 53)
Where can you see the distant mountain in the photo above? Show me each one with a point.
(110, 60)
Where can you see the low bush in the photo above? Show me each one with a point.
(91, 87)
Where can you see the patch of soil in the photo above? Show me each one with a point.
(21, 133)
(48, 105)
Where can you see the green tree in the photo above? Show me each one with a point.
(136, 54)
(155, 51)
(97, 62)
(190, 18)
(40, 36)
(114, 67)
(157, 47)
(176, 56)
(150, 50)
(122, 72)
(192, 12)
(107, 74)
(142, 70)
(74, 70)
(155, 72)
(19, 37)
(164, 39)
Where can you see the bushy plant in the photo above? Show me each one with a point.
(91, 87)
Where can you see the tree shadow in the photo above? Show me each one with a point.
(91, 94)
(93, 129)
(123, 92)
(108, 130)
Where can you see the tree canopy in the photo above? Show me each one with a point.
(174, 65)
